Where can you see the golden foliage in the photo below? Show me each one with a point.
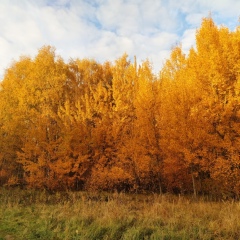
(117, 125)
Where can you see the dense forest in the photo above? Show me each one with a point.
(83, 125)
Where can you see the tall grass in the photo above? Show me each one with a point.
(26, 214)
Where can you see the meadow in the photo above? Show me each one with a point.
(31, 214)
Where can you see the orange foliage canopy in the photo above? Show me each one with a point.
(86, 125)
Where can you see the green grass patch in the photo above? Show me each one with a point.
(26, 214)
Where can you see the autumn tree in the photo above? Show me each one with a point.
(13, 119)
(143, 144)
(203, 101)
(41, 93)
(86, 117)
(177, 130)
(112, 169)
(218, 52)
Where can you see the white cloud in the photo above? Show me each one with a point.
(224, 7)
(105, 29)
(188, 39)
(194, 19)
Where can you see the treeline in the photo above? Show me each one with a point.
(118, 126)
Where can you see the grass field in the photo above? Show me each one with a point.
(26, 214)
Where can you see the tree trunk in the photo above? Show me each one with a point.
(194, 185)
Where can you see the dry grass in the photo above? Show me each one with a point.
(39, 215)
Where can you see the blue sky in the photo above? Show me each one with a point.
(105, 29)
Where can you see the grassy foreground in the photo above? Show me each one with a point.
(26, 214)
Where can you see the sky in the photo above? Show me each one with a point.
(106, 29)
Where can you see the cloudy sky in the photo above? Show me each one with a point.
(105, 29)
